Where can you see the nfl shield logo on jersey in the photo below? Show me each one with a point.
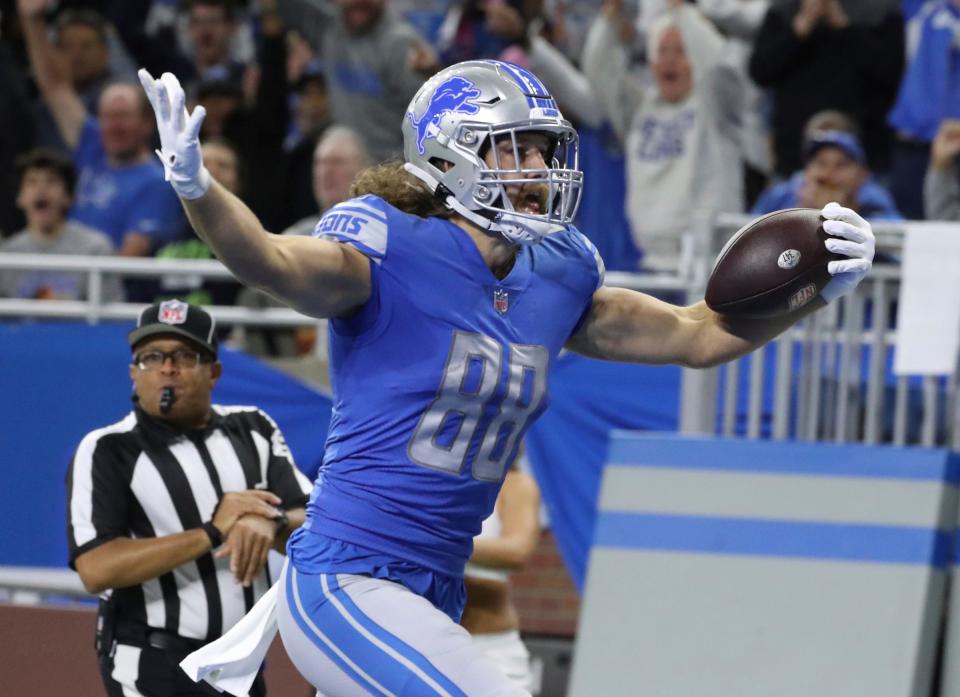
(501, 301)
(173, 312)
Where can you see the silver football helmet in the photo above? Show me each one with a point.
(471, 107)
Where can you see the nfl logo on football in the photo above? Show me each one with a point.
(501, 301)
(802, 297)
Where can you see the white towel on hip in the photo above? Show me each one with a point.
(231, 662)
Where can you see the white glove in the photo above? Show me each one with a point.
(856, 241)
(179, 143)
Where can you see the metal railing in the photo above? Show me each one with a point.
(34, 585)
(830, 377)
(94, 308)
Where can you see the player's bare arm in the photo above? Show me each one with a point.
(320, 278)
(317, 277)
(625, 325)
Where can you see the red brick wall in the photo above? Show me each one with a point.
(544, 594)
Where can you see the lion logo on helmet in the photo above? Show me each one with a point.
(455, 96)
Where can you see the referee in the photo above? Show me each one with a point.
(172, 510)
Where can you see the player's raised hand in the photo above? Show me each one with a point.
(851, 236)
(179, 135)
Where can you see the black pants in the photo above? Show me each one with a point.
(157, 673)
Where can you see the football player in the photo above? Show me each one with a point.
(451, 285)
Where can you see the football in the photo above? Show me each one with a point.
(771, 266)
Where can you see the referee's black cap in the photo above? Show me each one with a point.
(178, 318)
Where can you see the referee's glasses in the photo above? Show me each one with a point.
(184, 359)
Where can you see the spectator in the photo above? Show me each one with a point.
(255, 131)
(507, 540)
(338, 157)
(681, 136)
(16, 125)
(941, 192)
(373, 62)
(308, 84)
(197, 43)
(930, 92)
(312, 112)
(212, 25)
(739, 21)
(121, 189)
(47, 182)
(812, 55)
(477, 29)
(81, 38)
(173, 509)
(835, 170)
(310, 120)
(601, 155)
(570, 21)
(426, 16)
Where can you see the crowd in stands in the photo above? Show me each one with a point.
(686, 109)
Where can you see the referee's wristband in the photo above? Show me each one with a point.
(282, 521)
(213, 532)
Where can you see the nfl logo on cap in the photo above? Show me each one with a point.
(173, 312)
(179, 319)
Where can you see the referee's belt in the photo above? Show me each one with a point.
(136, 634)
(172, 643)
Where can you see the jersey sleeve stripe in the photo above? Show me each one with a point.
(362, 208)
(360, 222)
(375, 251)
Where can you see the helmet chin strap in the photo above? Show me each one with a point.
(516, 229)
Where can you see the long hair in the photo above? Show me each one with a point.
(391, 182)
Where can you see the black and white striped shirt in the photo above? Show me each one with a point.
(141, 477)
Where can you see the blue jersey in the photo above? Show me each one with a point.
(117, 200)
(436, 378)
